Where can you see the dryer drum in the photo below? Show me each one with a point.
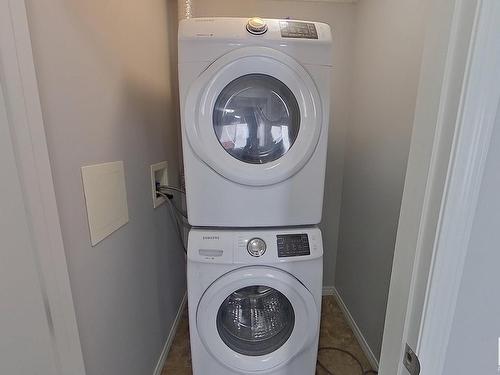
(256, 118)
(255, 320)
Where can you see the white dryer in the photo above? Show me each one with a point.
(255, 109)
(254, 300)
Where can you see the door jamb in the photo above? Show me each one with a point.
(17, 71)
(471, 128)
(477, 117)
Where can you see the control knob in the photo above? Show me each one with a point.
(256, 247)
(256, 26)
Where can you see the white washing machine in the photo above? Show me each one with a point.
(254, 300)
(255, 108)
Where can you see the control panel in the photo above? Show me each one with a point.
(296, 29)
(254, 246)
(293, 245)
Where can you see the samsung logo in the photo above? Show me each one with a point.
(211, 237)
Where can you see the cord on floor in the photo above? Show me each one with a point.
(358, 362)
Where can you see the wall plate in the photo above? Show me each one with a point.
(159, 174)
(105, 198)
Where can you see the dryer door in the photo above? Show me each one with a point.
(254, 116)
(256, 319)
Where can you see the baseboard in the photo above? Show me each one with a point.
(170, 338)
(352, 323)
(328, 290)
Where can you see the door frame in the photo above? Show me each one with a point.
(456, 108)
(19, 83)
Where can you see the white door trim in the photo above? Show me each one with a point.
(442, 69)
(458, 99)
(17, 73)
(472, 138)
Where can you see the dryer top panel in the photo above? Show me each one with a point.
(206, 39)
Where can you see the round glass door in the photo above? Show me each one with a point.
(256, 118)
(255, 320)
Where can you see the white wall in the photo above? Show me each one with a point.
(341, 18)
(473, 346)
(388, 47)
(108, 92)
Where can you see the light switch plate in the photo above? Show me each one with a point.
(106, 199)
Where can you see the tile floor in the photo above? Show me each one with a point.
(334, 332)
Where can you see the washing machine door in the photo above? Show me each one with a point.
(256, 319)
(253, 116)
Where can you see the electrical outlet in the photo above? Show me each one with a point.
(159, 175)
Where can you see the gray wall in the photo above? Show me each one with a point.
(473, 346)
(25, 333)
(106, 72)
(388, 46)
(341, 18)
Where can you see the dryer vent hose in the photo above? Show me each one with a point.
(185, 9)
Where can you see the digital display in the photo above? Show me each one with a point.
(301, 30)
(293, 245)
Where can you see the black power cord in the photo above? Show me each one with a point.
(358, 362)
(175, 212)
(170, 198)
(169, 188)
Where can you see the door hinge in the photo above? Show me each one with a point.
(411, 362)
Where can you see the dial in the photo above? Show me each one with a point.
(256, 25)
(256, 247)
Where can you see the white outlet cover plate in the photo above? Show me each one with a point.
(106, 199)
(158, 201)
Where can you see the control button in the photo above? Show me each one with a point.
(256, 247)
(256, 26)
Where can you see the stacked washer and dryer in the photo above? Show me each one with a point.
(255, 113)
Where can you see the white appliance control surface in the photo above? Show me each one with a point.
(250, 246)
